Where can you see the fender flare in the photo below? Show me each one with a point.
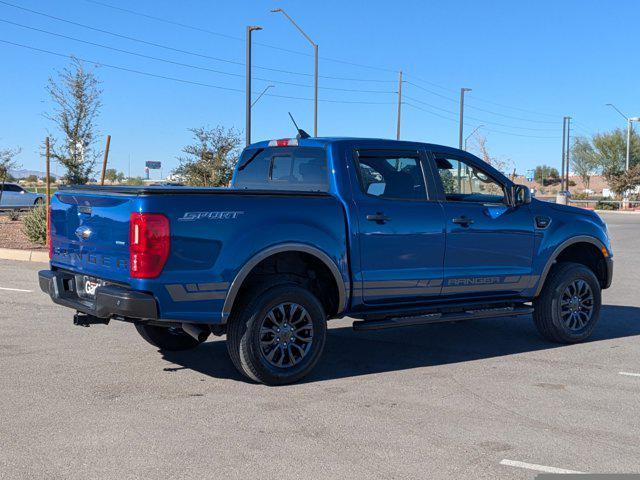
(236, 284)
(559, 249)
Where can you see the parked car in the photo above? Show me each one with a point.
(14, 196)
(390, 233)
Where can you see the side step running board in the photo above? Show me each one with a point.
(440, 318)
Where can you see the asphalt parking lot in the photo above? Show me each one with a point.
(483, 399)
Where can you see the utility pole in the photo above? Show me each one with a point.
(399, 104)
(568, 148)
(315, 90)
(48, 186)
(247, 127)
(105, 159)
(460, 133)
(315, 73)
(564, 137)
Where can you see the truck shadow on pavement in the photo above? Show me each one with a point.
(349, 353)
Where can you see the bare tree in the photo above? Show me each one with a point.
(7, 162)
(209, 162)
(76, 95)
(500, 164)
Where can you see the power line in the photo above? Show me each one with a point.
(231, 37)
(178, 50)
(488, 130)
(522, 119)
(197, 67)
(478, 119)
(480, 99)
(182, 80)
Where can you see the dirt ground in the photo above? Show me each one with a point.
(12, 236)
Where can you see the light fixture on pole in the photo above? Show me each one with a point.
(629, 120)
(262, 93)
(470, 135)
(315, 74)
(460, 132)
(250, 29)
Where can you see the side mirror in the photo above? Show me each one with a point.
(522, 195)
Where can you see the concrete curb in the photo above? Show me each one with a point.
(24, 255)
(624, 212)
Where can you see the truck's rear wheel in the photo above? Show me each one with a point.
(279, 336)
(568, 307)
(167, 338)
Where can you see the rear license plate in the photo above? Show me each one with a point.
(86, 286)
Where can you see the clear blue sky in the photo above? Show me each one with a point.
(553, 58)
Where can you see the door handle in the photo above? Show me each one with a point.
(463, 221)
(379, 217)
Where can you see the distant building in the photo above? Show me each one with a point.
(598, 186)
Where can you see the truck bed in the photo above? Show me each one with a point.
(138, 190)
(214, 233)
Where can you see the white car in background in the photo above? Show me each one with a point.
(14, 196)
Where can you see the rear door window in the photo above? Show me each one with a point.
(297, 168)
(392, 176)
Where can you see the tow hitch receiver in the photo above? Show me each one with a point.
(83, 320)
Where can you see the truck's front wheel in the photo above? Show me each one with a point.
(167, 338)
(279, 336)
(568, 307)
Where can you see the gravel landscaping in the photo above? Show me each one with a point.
(12, 236)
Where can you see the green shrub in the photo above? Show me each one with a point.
(35, 225)
(14, 215)
(606, 206)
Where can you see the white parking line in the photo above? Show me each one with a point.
(629, 374)
(533, 466)
(15, 290)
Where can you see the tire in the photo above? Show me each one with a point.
(272, 342)
(38, 202)
(558, 316)
(167, 338)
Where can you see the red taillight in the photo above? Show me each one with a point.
(284, 142)
(148, 244)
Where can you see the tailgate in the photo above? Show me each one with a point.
(90, 233)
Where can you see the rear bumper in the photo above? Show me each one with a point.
(110, 300)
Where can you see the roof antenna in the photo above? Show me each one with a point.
(301, 133)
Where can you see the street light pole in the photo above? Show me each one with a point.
(250, 29)
(568, 148)
(460, 132)
(564, 138)
(399, 104)
(470, 135)
(629, 130)
(315, 73)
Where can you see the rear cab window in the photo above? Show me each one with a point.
(283, 168)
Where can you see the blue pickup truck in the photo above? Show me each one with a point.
(390, 233)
